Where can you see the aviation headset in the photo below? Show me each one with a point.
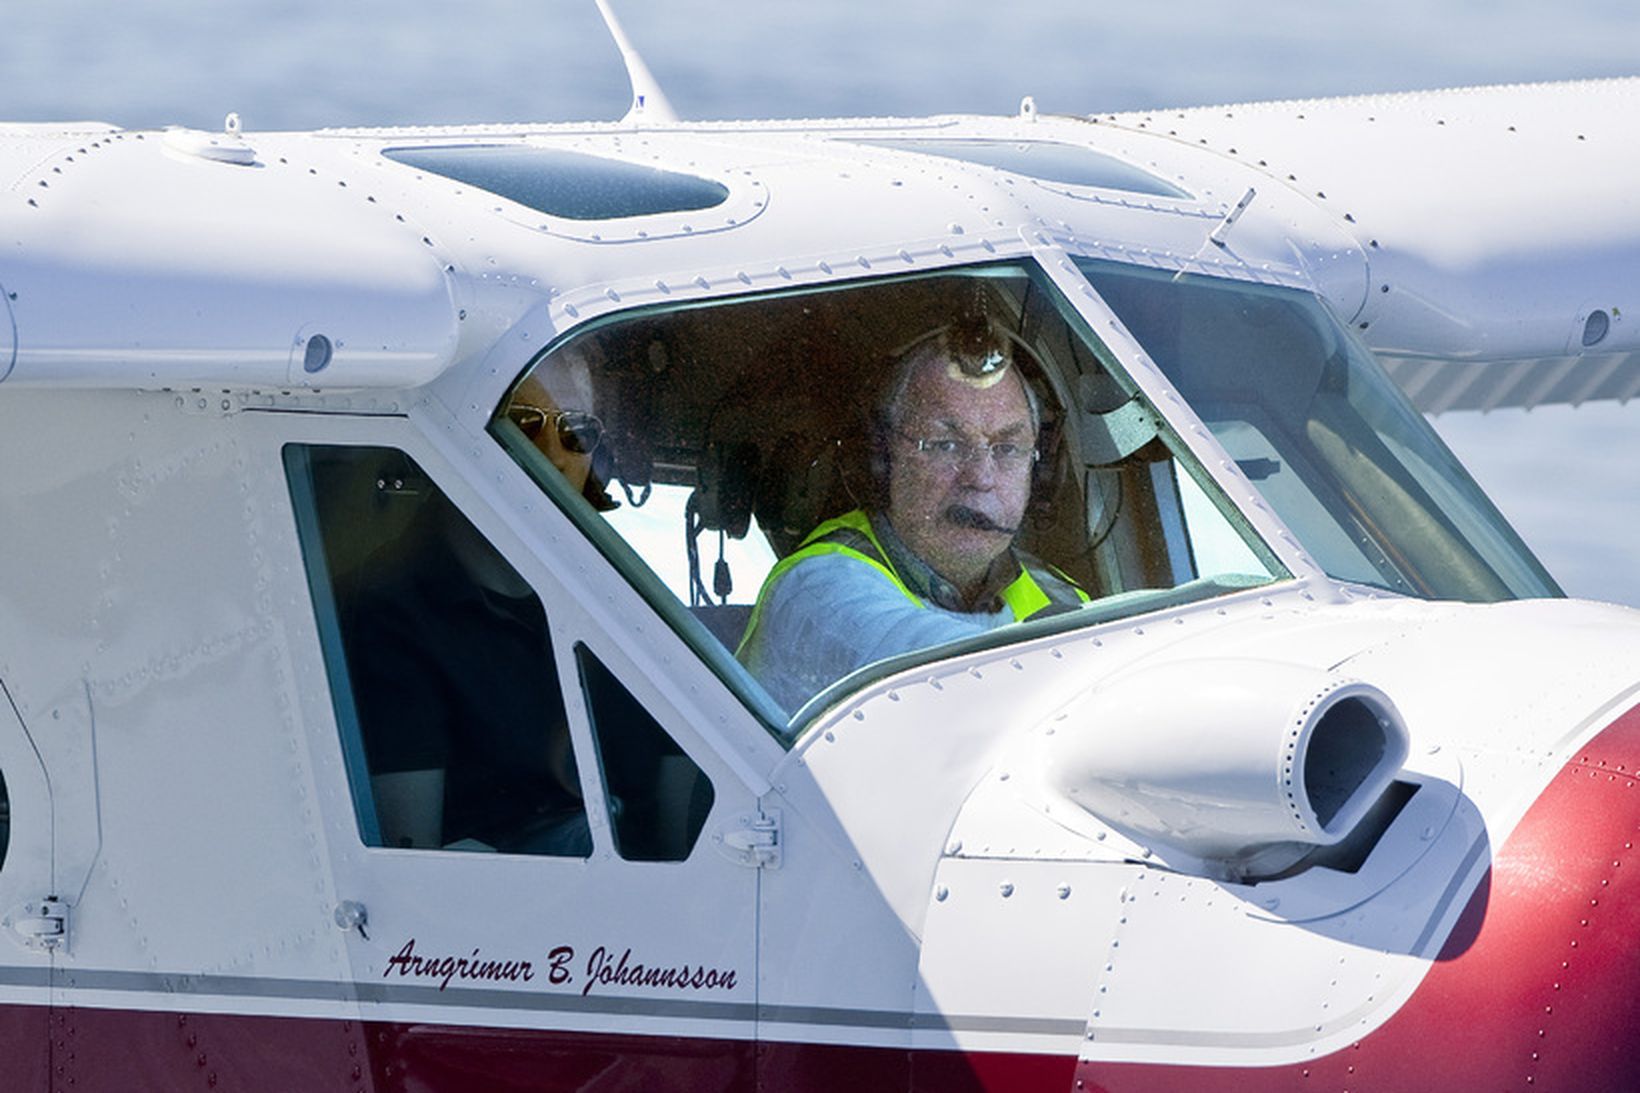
(980, 347)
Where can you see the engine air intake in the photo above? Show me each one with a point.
(1238, 764)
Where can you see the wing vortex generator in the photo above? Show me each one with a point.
(1243, 766)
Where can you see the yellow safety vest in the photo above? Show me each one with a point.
(850, 534)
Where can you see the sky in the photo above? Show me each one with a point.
(1567, 478)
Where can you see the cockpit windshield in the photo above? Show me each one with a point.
(1328, 439)
(820, 487)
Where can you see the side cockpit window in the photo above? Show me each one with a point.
(658, 798)
(820, 487)
(441, 664)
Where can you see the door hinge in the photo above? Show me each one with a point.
(41, 923)
(752, 840)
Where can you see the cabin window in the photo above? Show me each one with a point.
(5, 820)
(658, 798)
(817, 488)
(441, 664)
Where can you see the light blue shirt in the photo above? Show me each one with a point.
(830, 614)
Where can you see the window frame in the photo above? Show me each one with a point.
(331, 643)
(552, 554)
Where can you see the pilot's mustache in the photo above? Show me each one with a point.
(965, 517)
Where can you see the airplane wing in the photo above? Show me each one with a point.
(1501, 227)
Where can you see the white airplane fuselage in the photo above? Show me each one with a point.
(1072, 855)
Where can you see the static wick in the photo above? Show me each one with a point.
(1219, 233)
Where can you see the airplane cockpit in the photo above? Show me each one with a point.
(731, 431)
(728, 431)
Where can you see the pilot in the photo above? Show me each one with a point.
(457, 691)
(932, 558)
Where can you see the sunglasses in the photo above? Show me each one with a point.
(579, 432)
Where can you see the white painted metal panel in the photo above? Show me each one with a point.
(153, 659)
(133, 265)
(1016, 951)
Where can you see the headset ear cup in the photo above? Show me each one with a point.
(1046, 467)
(1040, 501)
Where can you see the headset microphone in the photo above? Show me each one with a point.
(965, 517)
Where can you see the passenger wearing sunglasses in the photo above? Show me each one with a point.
(561, 424)
(932, 557)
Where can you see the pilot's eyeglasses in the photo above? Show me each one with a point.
(579, 432)
(952, 452)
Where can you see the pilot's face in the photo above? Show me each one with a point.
(958, 514)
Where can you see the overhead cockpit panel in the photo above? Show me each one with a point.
(581, 194)
(569, 184)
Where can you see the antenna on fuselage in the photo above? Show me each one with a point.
(648, 100)
(1218, 236)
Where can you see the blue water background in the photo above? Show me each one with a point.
(1568, 479)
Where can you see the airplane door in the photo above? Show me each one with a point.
(26, 955)
(522, 815)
